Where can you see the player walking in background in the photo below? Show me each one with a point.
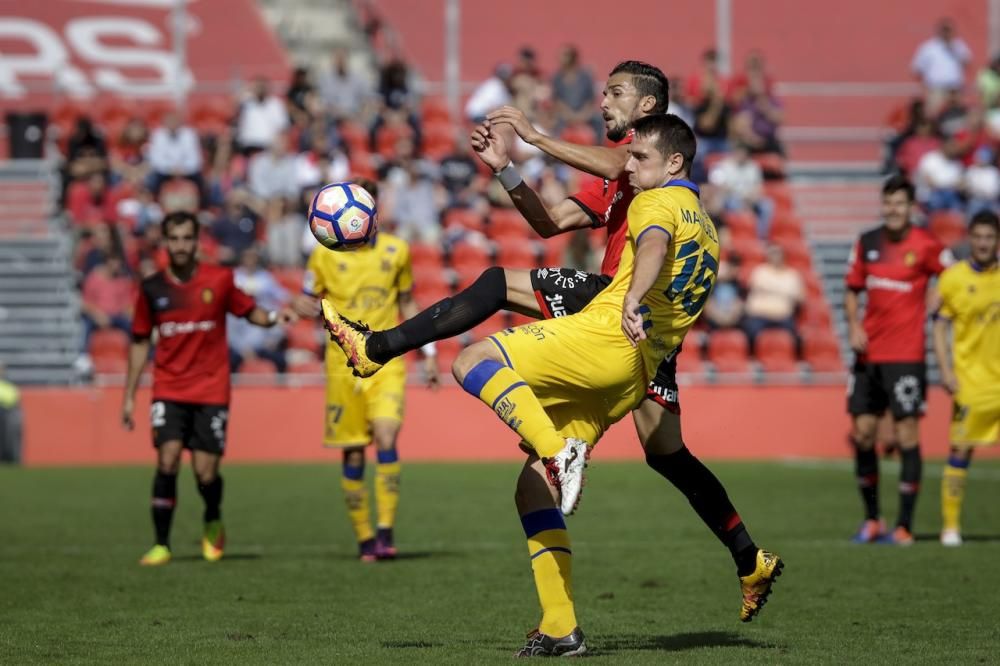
(186, 305)
(373, 284)
(634, 90)
(893, 264)
(970, 369)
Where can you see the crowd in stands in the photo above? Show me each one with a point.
(251, 166)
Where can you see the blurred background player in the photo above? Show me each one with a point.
(634, 90)
(970, 365)
(893, 264)
(372, 284)
(185, 304)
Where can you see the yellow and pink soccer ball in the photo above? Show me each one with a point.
(343, 217)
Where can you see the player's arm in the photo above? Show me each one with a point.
(138, 352)
(941, 336)
(242, 304)
(650, 253)
(855, 282)
(601, 161)
(493, 149)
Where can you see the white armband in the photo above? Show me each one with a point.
(429, 350)
(509, 177)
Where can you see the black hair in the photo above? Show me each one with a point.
(673, 135)
(899, 183)
(179, 217)
(648, 81)
(368, 185)
(985, 218)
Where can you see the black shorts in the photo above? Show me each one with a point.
(565, 291)
(198, 427)
(872, 388)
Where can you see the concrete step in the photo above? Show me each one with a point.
(58, 299)
(39, 343)
(40, 328)
(23, 283)
(34, 376)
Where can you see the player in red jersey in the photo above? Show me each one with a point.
(893, 264)
(633, 90)
(186, 305)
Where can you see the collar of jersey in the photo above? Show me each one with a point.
(979, 268)
(683, 182)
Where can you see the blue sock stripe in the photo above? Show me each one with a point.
(544, 519)
(354, 473)
(557, 549)
(479, 375)
(502, 351)
(505, 392)
(385, 457)
(958, 463)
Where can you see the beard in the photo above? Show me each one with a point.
(617, 132)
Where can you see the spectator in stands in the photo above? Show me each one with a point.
(527, 63)
(89, 203)
(106, 299)
(411, 199)
(573, 92)
(491, 94)
(11, 419)
(262, 118)
(101, 243)
(988, 83)
(460, 176)
(86, 151)
(707, 76)
(952, 114)
(679, 104)
(940, 62)
(175, 152)
(938, 179)
(706, 92)
(982, 182)
(247, 341)
(271, 177)
(754, 67)
(740, 182)
(922, 139)
(128, 157)
(775, 293)
(758, 116)
(301, 95)
(321, 165)
(139, 210)
(238, 226)
(344, 93)
(724, 309)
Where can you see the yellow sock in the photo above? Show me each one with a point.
(952, 494)
(356, 498)
(386, 488)
(552, 566)
(514, 402)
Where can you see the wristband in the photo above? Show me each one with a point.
(429, 350)
(272, 317)
(509, 177)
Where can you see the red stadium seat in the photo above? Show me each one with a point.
(821, 350)
(815, 314)
(508, 222)
(785, 227)
(689, 362)
(465, 255)
(428, 294)
(290, 278)
(728, 351)
(582, 134)
(426, 257)
(110, 365)
(257, 366)
(109, 342)
(517, 253)
(814, 286)
(496, 323)
(775, 350)
(355, 137)
(305, 334)
(797, 253)
(948, 226)
(311, 367)
(772, 164)
(520, 319)
(435, 110)
(741, 224)
(465, 219)
(750, 251)
(780, 193)
(554, 249)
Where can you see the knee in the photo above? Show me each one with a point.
(354, 457)
(385, 438)
(206, 476)
(469, 358)
(169, 467)
(863, 437)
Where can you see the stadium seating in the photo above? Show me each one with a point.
(109, 343)
(689, 362)
(465, 256)
(426, 257)
(311, 367)
(583, 134)
(821, 350)
(775, 351)
(516, 253)
(508, 222)
(290, 278)
(742, 224)
(464, 218)
(257, 366)
(304, 334)
(948, 226)
(495, 323)
(728, 351)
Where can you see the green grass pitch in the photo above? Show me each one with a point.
(652, 584)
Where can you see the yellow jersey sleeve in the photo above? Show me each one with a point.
(314, 281)
(650, 210)
(947, 286)
(404, 279)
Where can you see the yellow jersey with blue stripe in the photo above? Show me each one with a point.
(686, 280)
(970, 299)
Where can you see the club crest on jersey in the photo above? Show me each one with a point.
(162, 302)
(872, 255)
(386, 266)
(910, 258)
(207, 296)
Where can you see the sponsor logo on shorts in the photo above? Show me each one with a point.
(556, 305)
(907, 393)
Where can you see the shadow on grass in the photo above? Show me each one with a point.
(405, 555)
(674, 643)
(967, 538)
(234, 557)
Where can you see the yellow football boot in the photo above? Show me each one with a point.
(756, 587)
(213, 541)
(156, 556)
(351, 337)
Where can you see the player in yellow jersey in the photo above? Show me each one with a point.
(970, 371)
(375, 285)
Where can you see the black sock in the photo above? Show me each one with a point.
(909, 485)
(164, 501)
(212, 494)
(446, 318)
(866, 470)
(709, 500)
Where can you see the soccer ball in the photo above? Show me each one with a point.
(343, 217)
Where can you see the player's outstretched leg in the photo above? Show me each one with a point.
(952, 494)
(480, 373)
(356, 498)
(551, 564)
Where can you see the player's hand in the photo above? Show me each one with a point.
(306, 306)
(492, 149)
(514, 117)
(949, 381)
(128, 406)
(632, 324)
(431, 375)
(858, 339)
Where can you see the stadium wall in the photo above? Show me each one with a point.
(81, 426)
